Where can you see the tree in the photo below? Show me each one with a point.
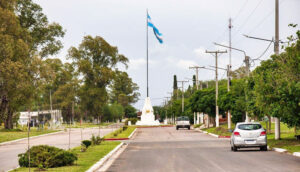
(194, 81)
(15, 73)
(43, 36)
(123, 90)
(130, 112)
(66, 93)
(20, 44)
(95, 59)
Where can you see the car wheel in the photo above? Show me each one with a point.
(234, 148)
(176, 128)
(189, 128)
(264, 148)
(231, 148)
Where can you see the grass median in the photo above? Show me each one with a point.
(85, 159)
(287, 141)
(120, 133)
(14, 134)
(86, 125)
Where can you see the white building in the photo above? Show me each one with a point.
(53, 117)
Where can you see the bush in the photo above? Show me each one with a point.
(96, 140)
(133, 121)
(125, 128)
(86, 143)
(44, 156)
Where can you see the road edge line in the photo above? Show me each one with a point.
(98, 164)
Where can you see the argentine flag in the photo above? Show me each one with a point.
(157, 34)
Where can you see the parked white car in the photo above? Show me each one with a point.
(183, 122)
(250, 134)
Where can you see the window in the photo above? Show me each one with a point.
(249, 126)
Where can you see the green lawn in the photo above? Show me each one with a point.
(8, 135)
(221, 131)
(287, 141)
(85, 159)
(120, 133)
(86, 125)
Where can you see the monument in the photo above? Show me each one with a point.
(147, 117)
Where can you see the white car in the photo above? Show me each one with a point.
(250, 134)
(183, 122)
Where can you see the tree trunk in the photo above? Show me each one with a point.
(8, 124)
(270, 124)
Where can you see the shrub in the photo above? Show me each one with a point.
(96, 140)
(133, 121)
(44, 156)
(125, 128)
(86, 143)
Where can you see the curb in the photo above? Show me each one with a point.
(154, 126)
(115, 139)
(214, 135)
(280, 150)
(104, 159)
(12, 141)
(296, 154)
(132, 133)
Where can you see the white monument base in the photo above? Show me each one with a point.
(147, 117)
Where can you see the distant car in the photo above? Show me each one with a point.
(247, 135)
(183, 122)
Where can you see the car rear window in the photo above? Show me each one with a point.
(249, 126)
(183, 118)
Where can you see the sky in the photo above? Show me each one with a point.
(189, 28)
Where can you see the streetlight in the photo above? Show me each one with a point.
(247, 61)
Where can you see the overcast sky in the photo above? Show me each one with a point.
(189, 27)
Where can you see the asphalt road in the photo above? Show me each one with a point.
(165, 149)
(9, 152)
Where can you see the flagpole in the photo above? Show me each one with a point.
(147, 52)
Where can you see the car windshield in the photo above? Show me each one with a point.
(249, 126)
(183, 118)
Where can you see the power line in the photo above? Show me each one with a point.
(247, 19)
(241, 9)
(260, 23)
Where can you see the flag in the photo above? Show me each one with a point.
(157, 34)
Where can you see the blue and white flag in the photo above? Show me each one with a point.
(157, 34)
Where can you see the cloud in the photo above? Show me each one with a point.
(136, 64)
(185, 64)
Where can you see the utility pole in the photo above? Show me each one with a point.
(276, 48)
(229, 73)
(197, 87)
(182, 104)
(197, 75)
(28, 135)
(70, 125)
(171, 97)
(167, 100)
(50, 101)
(217, 89)
(247, 62)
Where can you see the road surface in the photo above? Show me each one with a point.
(9, 152)
(165, 149)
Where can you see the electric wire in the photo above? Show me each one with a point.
(241, 9)
(247, 19)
